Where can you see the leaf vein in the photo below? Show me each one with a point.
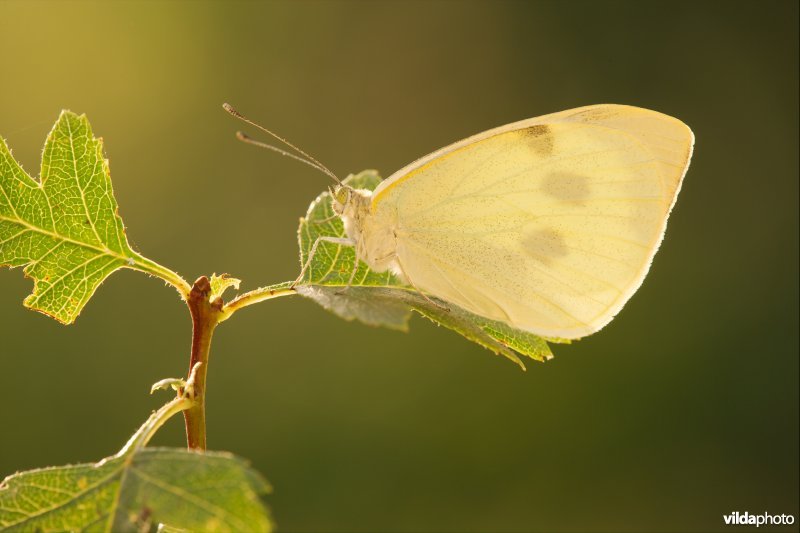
(207, 506)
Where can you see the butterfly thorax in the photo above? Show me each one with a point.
(372, 236)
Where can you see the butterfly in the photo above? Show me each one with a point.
(548, 224)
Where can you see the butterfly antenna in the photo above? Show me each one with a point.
(249, 140)
(307, 159)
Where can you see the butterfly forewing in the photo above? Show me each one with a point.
(548, 224)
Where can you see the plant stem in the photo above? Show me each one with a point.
(156, 420)
(205, 317)
(256, 296)
(153, 268)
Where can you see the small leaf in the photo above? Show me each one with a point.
(380, 299)
(176, 383)
(219, 284)
(65, 229)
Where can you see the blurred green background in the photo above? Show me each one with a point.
(684, 409)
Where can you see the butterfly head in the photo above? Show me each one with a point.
(341, 196)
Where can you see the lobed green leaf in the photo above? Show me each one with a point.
(65, 229)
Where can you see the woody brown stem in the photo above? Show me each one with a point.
(205, 317)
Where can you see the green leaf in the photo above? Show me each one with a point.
(380, 299)
(65, 229)
(209, 491)
(137, 489)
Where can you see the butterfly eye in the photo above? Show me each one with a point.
(341, 195)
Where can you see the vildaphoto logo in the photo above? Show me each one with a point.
(765, 519)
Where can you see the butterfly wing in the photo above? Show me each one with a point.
(549, 224)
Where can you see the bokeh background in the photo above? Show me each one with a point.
(684, 409)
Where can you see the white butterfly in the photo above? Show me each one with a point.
(548, 224)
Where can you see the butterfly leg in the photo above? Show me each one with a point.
(353, 273)
(342, 241)
(355, 269)
(352, 277)
(324, 220)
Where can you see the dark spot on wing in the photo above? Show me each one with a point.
(540, 139)
(545, 245)
(539, 130)
(566, 186)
